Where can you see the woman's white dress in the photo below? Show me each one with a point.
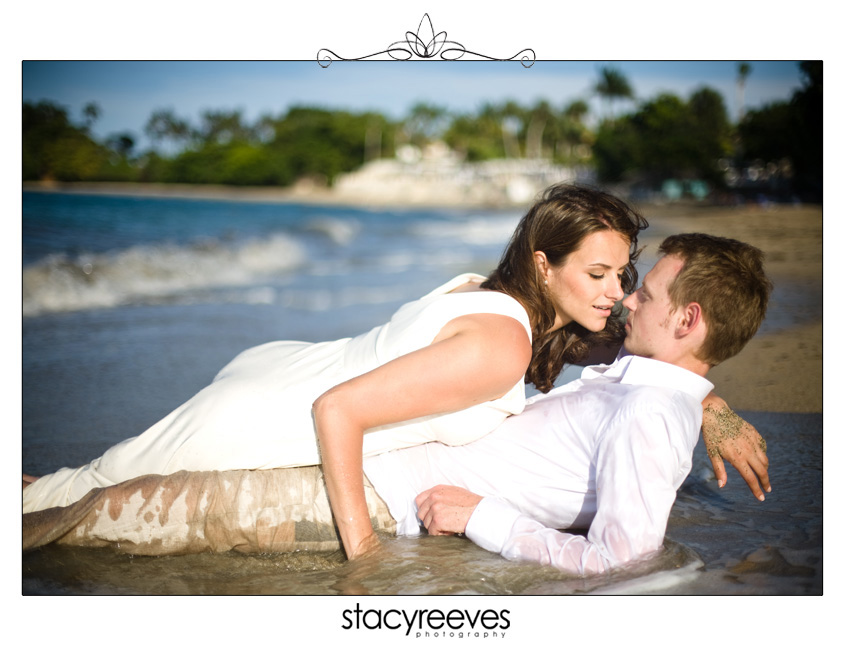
(256, 414)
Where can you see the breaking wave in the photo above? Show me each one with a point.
(155, 274)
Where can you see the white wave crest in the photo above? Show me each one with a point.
(145, 273)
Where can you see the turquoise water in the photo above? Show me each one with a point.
(133, 304)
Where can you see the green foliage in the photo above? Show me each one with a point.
(318, 142)
(53, 148)
(223, 149)
(478, 138)
(223, 127)
(425, 123)
(666, 138)
(617, 149)
(766, 133)
(511, 130)
(613, 85)
(791, 131)
(152, 167)
(164, 125)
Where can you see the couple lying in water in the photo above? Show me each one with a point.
(424, 422)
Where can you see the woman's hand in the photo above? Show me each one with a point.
(369, 545)
(474, 359)
(728, 437)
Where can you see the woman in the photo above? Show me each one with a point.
(450, 367)
(569, 261)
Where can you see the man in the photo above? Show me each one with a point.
(623, 435)
(606, 452)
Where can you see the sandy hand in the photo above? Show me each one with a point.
(728, 437)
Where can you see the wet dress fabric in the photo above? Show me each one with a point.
(256, 414)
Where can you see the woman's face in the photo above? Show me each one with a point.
(585, 287)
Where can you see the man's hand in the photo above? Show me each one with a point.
(445, 509)
(728, 437)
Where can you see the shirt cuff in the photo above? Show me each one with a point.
(491, 524)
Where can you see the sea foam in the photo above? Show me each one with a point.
(153, 273)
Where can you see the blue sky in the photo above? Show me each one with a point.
(129, 91)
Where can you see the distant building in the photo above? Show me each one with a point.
(438, 175)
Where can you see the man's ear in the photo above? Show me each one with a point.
(691, 318)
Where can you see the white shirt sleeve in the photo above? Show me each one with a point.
(637, 472)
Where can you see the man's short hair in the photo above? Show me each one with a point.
(727, 278)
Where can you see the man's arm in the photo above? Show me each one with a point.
(728, 437)
(636, 473)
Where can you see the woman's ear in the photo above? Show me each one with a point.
(542, 266)
(541, 262)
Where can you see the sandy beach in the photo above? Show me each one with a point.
(780, 370)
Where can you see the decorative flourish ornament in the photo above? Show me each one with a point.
(425, 44)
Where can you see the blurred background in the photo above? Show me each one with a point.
(473, 131)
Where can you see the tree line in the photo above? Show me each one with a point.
(661, 138)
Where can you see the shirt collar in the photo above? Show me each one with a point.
(635, 370)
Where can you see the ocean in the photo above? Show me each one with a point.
(132, 304)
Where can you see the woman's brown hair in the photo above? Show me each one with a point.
(557, 224)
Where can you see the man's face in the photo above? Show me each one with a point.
(651, 320)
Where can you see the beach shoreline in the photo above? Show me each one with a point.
(302, 193)
(780, 370)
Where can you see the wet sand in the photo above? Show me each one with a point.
(780, 370)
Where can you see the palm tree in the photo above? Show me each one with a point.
(743, 72)
(92, 112)
(572, 131)
(163, 125)
(539, 117)
(223, 127)
(425, 122)
(122, 143)
(512, 119)
(575, 110)
(612, 86)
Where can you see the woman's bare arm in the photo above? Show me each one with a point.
(475, 358)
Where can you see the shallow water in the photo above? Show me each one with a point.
(137, 333)
(410, 566)
(719, 542)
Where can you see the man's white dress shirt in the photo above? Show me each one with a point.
(606, 453)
